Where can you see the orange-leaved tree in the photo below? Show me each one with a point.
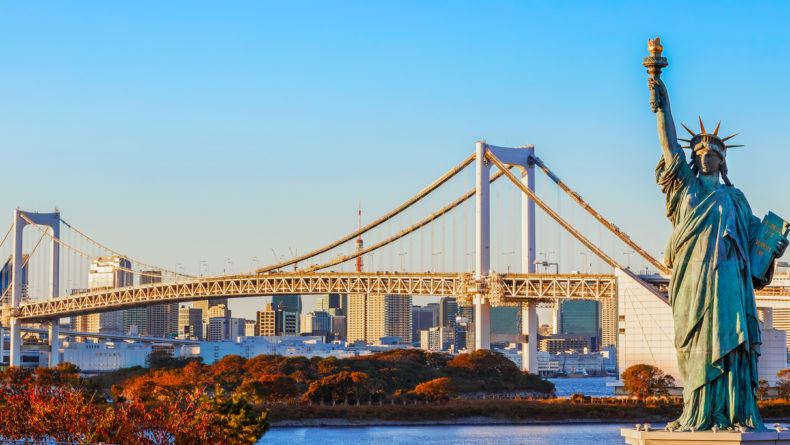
(643, 381)
(436, 389)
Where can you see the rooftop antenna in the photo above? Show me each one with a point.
(359, 239)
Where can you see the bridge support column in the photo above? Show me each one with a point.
(529, 314)
(54, 342)
(17, 273)
(15, 337)
(529, 326)
(482, 246)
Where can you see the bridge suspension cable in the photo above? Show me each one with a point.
(25, 260)
(426, 191)
(539, 202)
(614, 229)
(90, 257)
(402, 233)
(139, 263)
(8, 232)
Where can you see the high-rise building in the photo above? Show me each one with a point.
(317, 321)
(356, 318)
(290, 303)
(505, 320)
(436, 320)
(162, 318)
(290, 323)
(268, 321)
(107, 272)
(467, 312)
(331, 304)
(582, 317)
(249, 328)
(436, 339)
(339, 327)
(464, 334)
(371, 317)
(205, 305)
(190, 323)
(422, 318)
(608, 322)
(448, 310)
(225, 328)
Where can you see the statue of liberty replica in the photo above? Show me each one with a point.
(719, 253)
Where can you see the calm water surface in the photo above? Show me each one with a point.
(451, 434)
(589, 386)
(467, 435)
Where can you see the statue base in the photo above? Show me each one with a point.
(660, 437)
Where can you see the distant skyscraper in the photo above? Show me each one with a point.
(205, 305)
(422, 318)
(436, 339)
(608, 322)
(249, 328)
(339, 327)
(292, 303)
(436, 320)
(190, 323)
(371, 317)
(225, 328)
(448, 310)
(467, 312)
(269, 321)
(331, 304)
(162, 318)
(107, 272)
(317, 323)
(505, 320)
(290, 323)
(582, 317)
(464, 334)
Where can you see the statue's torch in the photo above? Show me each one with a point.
(654, 63)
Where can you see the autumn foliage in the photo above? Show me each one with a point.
(54, 405)
(643, 381)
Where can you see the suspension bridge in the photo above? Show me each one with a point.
(67, 252)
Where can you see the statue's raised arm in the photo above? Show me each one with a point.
(659, 101)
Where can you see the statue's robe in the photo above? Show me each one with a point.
(717, 333)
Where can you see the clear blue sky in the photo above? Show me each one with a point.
(201, 130)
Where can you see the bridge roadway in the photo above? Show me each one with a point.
(503, 290)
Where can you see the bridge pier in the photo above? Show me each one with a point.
(482, 246)
(15, 340)
(54, 342)
(18, 271)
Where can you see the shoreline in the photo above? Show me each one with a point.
(472, 421)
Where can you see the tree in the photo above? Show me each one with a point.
(643, 381)
(278, 387)
(436, 389)
(762, 389)
(783, 385)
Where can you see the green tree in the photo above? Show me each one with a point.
(235, 419)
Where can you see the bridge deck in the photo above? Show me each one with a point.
(503, 289)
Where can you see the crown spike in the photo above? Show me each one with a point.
(716, 131)
(731, 146)
(685, 140)
(685, 146)
(730, 137)
(687, 129)
(702, 127)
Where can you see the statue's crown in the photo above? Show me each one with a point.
(702, 139)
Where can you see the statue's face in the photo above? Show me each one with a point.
(709, 161)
